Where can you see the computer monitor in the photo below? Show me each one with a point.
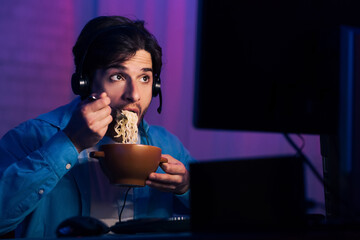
(270, 65)
(291, 67)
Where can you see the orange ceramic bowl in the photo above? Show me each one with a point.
(128, 164)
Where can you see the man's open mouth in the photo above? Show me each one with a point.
(130, 109)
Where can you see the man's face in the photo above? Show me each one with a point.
(127, 84)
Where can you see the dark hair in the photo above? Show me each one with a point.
(107, 40)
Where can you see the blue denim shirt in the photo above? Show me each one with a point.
(42, 183)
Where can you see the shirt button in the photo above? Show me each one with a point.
(68, 166)
(41, 191)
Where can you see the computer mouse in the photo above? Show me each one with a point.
(81, 226)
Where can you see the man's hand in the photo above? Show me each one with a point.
(89, 122)
(176, 178)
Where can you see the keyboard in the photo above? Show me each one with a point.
(152, 225)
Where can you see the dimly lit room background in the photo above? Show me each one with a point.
(36, 65)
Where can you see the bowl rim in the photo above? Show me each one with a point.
(133, 144)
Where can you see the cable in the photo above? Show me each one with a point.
(123, 206)
(306, 160)
(302, 141)
(352, 213)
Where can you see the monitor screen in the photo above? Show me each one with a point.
(270, 65)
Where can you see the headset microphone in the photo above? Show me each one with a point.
(156, 91)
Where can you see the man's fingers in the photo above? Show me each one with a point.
(102, 113)
(164, 182)
(99, 104)
(165, 178)
(100, 117)
(175, 179)
(101, 124)
(96, 102)
(96, 111)
(161, 186)
(173, 168)
(167, 183)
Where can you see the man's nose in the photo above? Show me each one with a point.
(131, 93)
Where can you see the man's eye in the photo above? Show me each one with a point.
(145, 79)
(117, 77)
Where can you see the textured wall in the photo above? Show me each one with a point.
(35, 58)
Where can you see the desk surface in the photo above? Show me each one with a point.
(311, 235)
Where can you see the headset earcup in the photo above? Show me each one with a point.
(75, 84)
(156, 87)
(80, 85)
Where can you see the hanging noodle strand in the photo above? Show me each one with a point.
(126, 127)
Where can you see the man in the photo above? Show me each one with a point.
(46, 174)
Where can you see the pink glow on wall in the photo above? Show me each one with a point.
(174, 63)
(35, 58)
